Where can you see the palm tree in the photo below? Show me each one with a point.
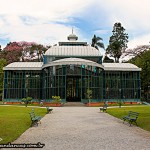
(40, 49)
(96, 42)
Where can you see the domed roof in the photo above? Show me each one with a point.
(72, 48)
(77, 51)
(72, 37)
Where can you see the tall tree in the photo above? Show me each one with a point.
(143, 61)
(12, 52)
(117, 42)
(40, 50)
(2, 64)
(107, 60)
(96, 42)
(23, 51)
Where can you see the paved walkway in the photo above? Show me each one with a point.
(85, 128)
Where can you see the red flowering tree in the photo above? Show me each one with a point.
(23, 51)
(12, 52)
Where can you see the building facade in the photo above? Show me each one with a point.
(74, 71)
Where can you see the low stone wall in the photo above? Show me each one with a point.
(109, 103)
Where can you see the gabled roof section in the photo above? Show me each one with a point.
(120, 67)
(24, 66)
(78, 51)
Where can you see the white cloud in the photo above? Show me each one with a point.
(51, 21)
(102, 31)
(142, 40)
(37, 20)
(41, 33)
(134, 16)
(48, 9)
(130, 10)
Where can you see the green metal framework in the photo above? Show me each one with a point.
(123, 85)
(20, 84)
(72, 82)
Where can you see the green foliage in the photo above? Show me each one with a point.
(15, 121)
(143, 61)
(56, 99)
(117, 42)
(120, 103)
(108, 60)
(143, 120)
(27, 100)
(2, 64)
(12, 52)
(96, 42)
(0, 48)
(40, 50)
(24, 99)
(89, 94)
(17, 51)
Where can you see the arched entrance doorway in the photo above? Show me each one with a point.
(73, 88)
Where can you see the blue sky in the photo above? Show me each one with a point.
(48, 22)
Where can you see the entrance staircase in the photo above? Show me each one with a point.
(74, 104)
(146, 103)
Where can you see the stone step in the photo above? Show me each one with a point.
(74, 104)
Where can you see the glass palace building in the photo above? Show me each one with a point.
(70, 70)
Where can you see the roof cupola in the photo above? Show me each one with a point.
(72, 37)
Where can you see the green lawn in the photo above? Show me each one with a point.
(15, 120)
(143, 120)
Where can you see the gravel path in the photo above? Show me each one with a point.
(85, 128)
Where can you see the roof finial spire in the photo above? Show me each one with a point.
(72, 37)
